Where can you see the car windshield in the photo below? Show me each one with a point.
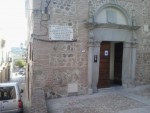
(7, 93)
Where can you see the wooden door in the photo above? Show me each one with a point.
(104, 65)
(118, 63)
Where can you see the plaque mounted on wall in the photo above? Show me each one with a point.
(60, 33)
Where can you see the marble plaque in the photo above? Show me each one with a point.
(58, 32)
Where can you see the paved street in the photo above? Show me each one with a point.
(111, 100)
(15, 77)
(20, 79)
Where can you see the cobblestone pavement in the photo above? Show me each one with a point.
(117, 100)
(144, 93)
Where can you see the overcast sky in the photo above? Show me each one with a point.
(13, 21)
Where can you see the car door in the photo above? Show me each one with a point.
(0, 106)
(0, 100)
(9, 102)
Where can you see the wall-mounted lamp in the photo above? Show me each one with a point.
(46, 10)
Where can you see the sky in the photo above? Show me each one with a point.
(13, 22)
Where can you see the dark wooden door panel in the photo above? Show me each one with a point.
(118, 63)
(104, 65)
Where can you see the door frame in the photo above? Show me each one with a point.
(129, 55)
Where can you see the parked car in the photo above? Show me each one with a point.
(21, 72)
(10, 98)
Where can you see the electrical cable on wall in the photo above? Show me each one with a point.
(45, 26)
(44, 20)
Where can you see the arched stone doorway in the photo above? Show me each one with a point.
(111, 24)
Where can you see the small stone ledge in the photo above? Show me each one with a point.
(50, 94)
(73, 94)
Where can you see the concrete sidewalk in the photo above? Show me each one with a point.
(109, 100)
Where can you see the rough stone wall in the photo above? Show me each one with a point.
(142, 16)
(55, 64)
(39, 105)
(140, 11)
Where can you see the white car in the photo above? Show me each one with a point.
(21, 72)
(10, 98)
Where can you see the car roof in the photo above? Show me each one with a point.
(8, 84)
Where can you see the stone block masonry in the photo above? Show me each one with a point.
(39, 103)
(55, 65)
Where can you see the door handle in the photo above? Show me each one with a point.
(5, 101)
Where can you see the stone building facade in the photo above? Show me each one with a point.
(110, 45)
(4, 61)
